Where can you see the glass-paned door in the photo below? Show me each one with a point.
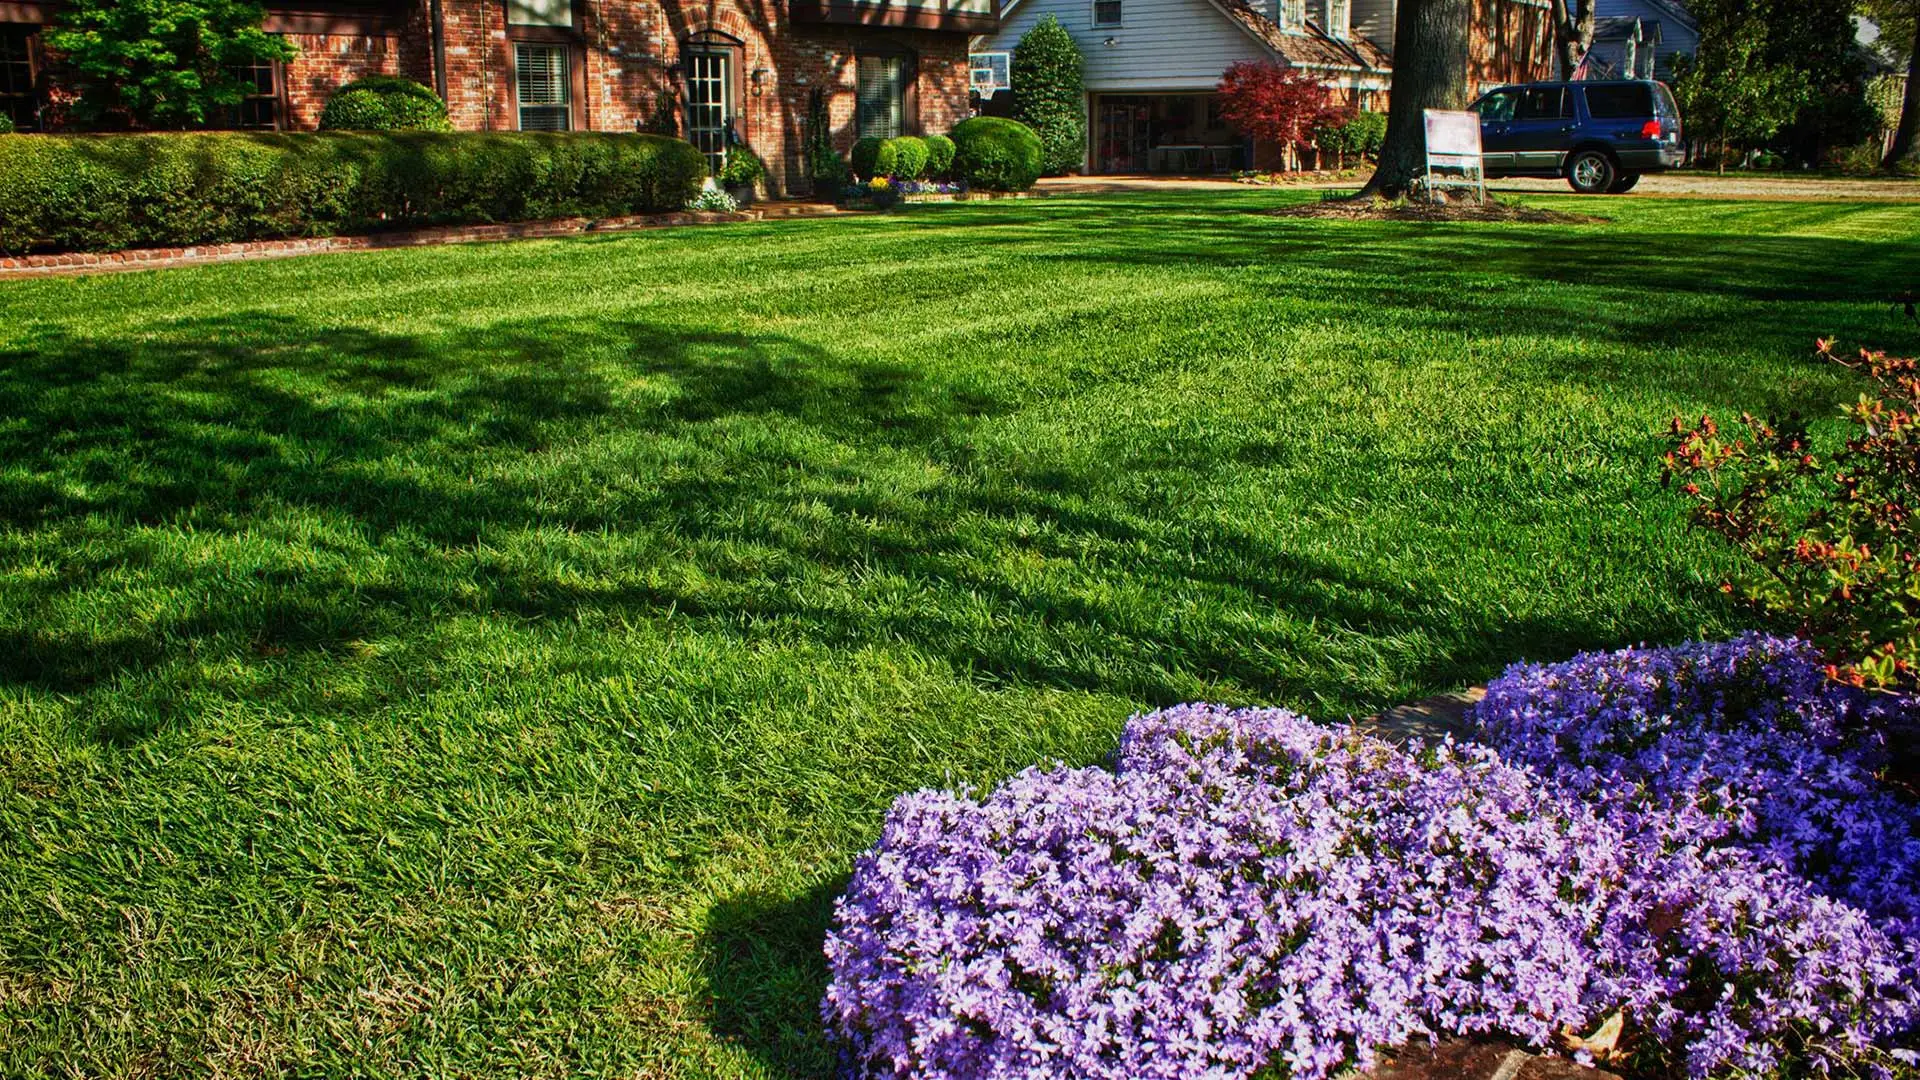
(710, 104)
(1125, 137)
(543, 87)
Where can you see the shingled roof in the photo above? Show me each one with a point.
(1310, 46)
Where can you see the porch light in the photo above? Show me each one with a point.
(759, 77)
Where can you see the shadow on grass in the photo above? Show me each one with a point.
(763, 962)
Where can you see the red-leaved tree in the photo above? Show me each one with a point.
(1275, 104)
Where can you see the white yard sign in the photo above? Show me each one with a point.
(1453, 153)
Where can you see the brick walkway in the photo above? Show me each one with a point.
(19, 266)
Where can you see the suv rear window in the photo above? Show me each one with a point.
(1619, 102)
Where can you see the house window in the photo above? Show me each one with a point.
(18, 100)
(542, 78)
(1293, 13)
(259, 95)
(1106, 12)
(883, 82)
(1337, 17)
(710, 105)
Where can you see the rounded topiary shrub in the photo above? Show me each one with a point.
(996, 154)
(939, 155)
(6, 124)
(873, 157)
(909, 157)
(385, 103)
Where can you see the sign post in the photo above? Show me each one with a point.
(1454, 160)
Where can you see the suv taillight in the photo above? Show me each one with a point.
(1651, 130)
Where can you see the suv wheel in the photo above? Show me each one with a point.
(1592, 172)
(1624, 184)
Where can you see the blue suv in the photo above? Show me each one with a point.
(1600, 136)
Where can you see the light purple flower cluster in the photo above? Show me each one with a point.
(1246, 890)
(1767, 854)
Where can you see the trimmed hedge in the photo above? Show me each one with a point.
(107, 192)
(996, 154)
(939, 155)
(385, 103)
(873, 157)
(909, 157)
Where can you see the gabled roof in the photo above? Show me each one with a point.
(1675, 10)
(1309, 46)
(1621, 27)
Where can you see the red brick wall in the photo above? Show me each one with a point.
(328, 60)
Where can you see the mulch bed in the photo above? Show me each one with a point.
(1381, 210)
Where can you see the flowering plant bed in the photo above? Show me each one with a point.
(884, 192)
(1682, 850)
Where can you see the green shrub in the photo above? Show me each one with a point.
(743, 168)
(996, 154)
(1049, 94)
(1352, 135)
(874, 157)
(6, 124)
(939, 155)
(909, 157)
(105, 192)
(384, 103)
(1824, 522)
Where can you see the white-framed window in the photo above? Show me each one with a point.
(882, 95)
(710, 101)
(543, 85)
(1107, 13)
(1336, 17)
(1293, 13)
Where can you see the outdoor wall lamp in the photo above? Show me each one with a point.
(759, 77)
(1111, 42)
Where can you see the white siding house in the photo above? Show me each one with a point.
(1151, 67)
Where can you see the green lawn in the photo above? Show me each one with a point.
(487, 660)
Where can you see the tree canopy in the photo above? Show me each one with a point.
(161, 63)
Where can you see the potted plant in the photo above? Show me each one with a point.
(741, 173)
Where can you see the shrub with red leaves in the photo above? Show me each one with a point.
(1275, 104)
(1830, 534)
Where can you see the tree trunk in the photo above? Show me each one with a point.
(1903, 133)
(1573, 34)
(1432, 50)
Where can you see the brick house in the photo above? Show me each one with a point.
(1151, 66)
(749, 67)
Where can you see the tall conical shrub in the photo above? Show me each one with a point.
(1049, 94)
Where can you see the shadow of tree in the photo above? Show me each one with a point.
(762, 958)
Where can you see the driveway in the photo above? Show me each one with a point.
(1672, 185)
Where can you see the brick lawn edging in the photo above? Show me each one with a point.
(98, 262)
(91, 262)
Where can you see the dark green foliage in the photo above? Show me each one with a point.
(909, 157)
(824, 166)
(939, 155)
(1049, 94)
(874, 157)
(664, 118)
(743, 168)
(159, 63)
(385, 103)
(1356, 136)
(102, 193)
(6, 124)
(996, 154)
(1780, 73)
